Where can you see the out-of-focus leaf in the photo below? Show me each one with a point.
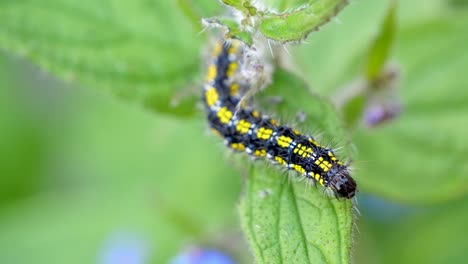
(22, 143)
(352, 111)
(288, 97)
(404, 159)
(120, 184)
(110, 168)
(133, 48)
(459, 3)
(188, 9)
(329, 62)
(435, 237)
(432, 235)
(381, 47)
(287, 222)
(335, 55)
(418, 157)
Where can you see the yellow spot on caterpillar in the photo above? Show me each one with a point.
(274, 122)
(211, 73)
(231, 69)
(318, 161)
(317, 177)
(333, 158)
(314, 142)
(224, 115)
(264, 133)
(295, 131)
(234, 89)
(280, 160)
(284, 141)
(324, 167)
(243, 126)
(303, 151)
(298, 168)
(255, 113)
(234, 47)
(238, 146)
(260, 153)
(211, 96)
(323, 164)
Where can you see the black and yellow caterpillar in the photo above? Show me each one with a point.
(246, 130)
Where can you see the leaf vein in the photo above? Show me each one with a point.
(278, 220)
(301, 228)
(250, 219)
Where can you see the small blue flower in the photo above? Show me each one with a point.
(202, 256)
(125, 249)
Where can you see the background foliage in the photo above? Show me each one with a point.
(82, 173)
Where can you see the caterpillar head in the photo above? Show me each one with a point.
(333, 174)
(343, 185)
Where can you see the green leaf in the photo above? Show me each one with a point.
(295, 100)
(436, 236)
(406, 158)
(22, 141)
(353, 110)
(336, 55)
(381, 47)
(286, 222)
(332, 58)
(234, 30)
(242, 5)
(283, 5)
(238, 4)
(418, 157)
(86, 168)
(298, 24)
(189, 10)
(132, 48)
(289, 26)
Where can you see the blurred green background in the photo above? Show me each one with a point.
(85, 178)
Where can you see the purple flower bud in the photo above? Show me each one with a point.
(379, 114)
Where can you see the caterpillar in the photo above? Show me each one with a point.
(244, 129)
